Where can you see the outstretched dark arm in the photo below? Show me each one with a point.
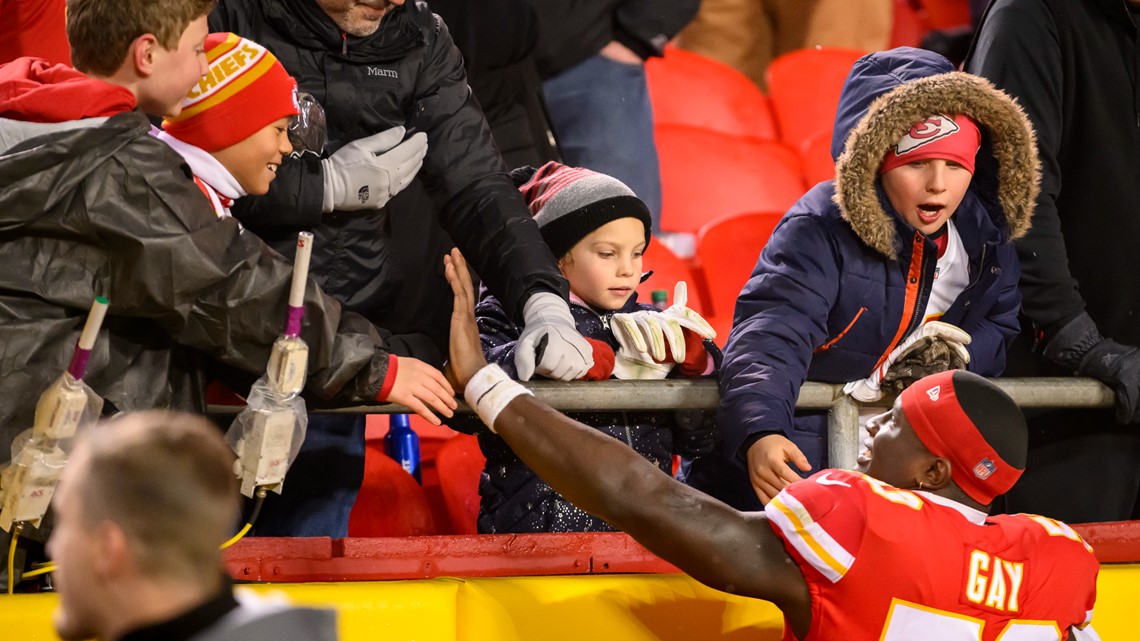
(721, 547)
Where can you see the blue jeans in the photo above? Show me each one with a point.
(601, 115)
(322, 484)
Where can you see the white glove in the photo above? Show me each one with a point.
(955, 337)
(867, 390)
(550, 344)
(643, 334)
(629, 369)
(680, 316)
(641, 338)
(366, 173)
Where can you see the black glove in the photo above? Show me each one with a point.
(931, 355)
(1079, 346)
(695, 432)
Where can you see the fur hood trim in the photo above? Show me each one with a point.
(1007, 136)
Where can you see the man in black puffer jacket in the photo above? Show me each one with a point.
(395, 94)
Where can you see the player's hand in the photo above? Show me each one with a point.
(768, 469)
(466, 351)
(422, 388)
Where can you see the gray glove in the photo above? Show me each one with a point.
(550, 343)
(1079, 346)
(366, 173)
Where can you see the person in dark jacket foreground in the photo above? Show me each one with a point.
(599, 229)
(836, 553)
(902, 237)
(1072, 64)
(145, 503)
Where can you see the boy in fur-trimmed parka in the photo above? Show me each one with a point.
(936, 174)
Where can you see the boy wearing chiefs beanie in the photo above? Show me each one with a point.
(232, 129)
(902, 266)
(598, 229)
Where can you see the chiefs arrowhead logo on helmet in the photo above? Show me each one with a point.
(925, 132)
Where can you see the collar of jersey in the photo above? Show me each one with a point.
(976, 517)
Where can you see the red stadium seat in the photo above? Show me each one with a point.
(727, 250)
(705, 176)
(390, 502)
(459, 464)
(815, 154)
(692, 90)
(668, 268)
(804, 88)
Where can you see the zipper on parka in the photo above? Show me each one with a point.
(914, 303)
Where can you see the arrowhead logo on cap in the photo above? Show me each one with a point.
(925, 132)
(934, 392)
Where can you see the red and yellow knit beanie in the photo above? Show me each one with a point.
(244, 90)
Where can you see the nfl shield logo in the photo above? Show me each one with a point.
(984, 468)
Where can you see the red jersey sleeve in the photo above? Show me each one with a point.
(821, 521)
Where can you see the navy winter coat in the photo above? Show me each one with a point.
(844, 279)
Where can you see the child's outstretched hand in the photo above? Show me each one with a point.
(422, 388)
(769, 465)
(466, 351)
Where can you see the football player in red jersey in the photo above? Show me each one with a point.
(902, 549)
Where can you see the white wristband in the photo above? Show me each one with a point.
(489, 391)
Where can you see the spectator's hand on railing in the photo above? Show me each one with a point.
(367, 173)
(1080, 346)
(465, 349)
(423, 388)
(550, 344)
(768, 469)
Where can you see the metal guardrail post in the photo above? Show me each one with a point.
(843, 433)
